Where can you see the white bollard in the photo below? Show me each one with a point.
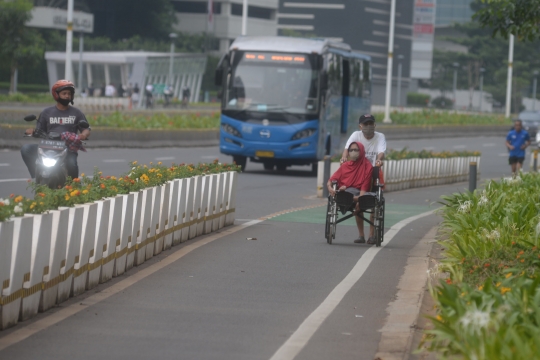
(218, 203)
(229, 220)
(73, 249)
(224, 186)
(57, 258)
(100, 243)
(126, 233)
(21, 254)
(6, 245)
(210, 204)
(170, 208)
(181, 232)
(173, 216)
(146, 219)
(194, 197)
(136, 231)
(88, 238)
(201, 203)
(157, 222)
(113, 238)
(39, 265)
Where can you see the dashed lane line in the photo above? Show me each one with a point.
(114, 160)
(4, 164)
(165, 158)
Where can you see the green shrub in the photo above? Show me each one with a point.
(156, 121)
(442, 102)
(417, 99)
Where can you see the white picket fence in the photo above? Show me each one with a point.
(412, 173)
(47, 258)
(102, 103)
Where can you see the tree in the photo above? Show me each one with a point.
(518, 17)
(19, 45)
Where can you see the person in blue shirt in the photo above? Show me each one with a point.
(517, 141)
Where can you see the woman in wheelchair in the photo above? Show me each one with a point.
(356, 177)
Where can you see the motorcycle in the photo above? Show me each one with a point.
(51, 168)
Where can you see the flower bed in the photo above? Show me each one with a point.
(431, 117)
(157, 121)
(112, 224)
(488, 307)
(422, 154)
(87, 189)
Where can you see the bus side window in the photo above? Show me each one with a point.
(366, 79)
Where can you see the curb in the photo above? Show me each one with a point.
(11, 135)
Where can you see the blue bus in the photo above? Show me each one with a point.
(290, 101)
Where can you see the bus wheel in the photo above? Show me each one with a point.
(281, 167)
(240, 161)
(268, 166)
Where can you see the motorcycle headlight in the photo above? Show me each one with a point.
(48, 162)
(303, 134)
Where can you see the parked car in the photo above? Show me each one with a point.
(530, 121)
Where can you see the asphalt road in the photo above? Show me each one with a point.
(233, 298)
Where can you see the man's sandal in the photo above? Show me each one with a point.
(360, 240)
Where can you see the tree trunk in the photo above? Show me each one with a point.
(12, 77)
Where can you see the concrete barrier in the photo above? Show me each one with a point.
(46, 258)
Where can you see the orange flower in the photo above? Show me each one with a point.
(102, 186)
(449, 281)
(12, 196)
(18, 199)
(85, 192)
(41, 194)
(68, 187)
(77, 180)
(487, 265)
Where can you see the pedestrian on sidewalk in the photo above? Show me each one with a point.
(517, 141)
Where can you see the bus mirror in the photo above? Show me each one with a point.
(324, 81)
(218, 79)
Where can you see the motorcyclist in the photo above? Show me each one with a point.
(61, 118)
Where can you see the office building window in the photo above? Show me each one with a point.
(253, 12)
(195, 7)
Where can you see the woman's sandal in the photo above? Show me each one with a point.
(371, 240)
(360, 240)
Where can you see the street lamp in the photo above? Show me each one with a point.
(244, 17)
(535, 72)
(400, 58)
(456, 66)
(171, 62)
(482, 71)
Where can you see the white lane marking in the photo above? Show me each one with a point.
(489, 145)
(311, 324)
(429, 148)
(460, 147)
(165, 158)
(54, 318)
(210, 157)
(4, 164)
(13, 180)
(114, 160)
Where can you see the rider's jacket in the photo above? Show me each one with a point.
(52, 119)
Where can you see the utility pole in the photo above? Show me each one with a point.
(534, 89)
(244, 18)
(81, 48)
(390, 63)
(456, 65)
(509, 79)
(400, 58)
(69, 41)
(171, 60)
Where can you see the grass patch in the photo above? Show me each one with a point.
(156, 121)
(431, 117)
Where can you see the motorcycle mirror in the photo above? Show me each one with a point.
(30, 118)
(84, 124)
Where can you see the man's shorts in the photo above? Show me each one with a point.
(514, 160)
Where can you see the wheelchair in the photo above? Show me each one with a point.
(343, 203)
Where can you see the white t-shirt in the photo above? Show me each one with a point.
(373, 146)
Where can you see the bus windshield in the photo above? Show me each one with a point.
(273, 82)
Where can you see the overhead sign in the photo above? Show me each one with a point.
(52, 18)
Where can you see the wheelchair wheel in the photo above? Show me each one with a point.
(331, 217)
(382, 220)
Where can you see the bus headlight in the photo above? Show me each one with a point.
(303, 134)
(231, 130)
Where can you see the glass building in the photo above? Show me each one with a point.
(453, 11)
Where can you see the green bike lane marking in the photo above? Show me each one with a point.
(394, 213)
